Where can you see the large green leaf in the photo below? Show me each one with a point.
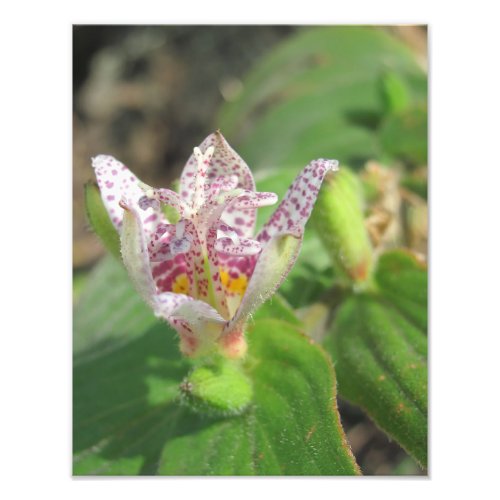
(404, 135)
(379, 345)
(109, 311)
(402, 281)
(321, 94)
(127, 416)
(291, 429)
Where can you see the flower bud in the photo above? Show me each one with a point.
(339, 221)
(219, 389)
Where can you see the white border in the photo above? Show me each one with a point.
(36, 250)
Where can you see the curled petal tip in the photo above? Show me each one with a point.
(333, 165)
(296, 231)
(328, 164)
(98, 160)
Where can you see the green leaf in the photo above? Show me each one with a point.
(127, 416)
(109, 311)
(404, 135)
(100, 221)
(379, 346)
(402, 281)
(278, 308)
(291, 428)
(318, 95)
(395, 93)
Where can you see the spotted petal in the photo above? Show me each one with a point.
(240, 247)
(224, 163)
(116, 182)
(135, 254)
(233, 202)
(172, 199)
(293, 212)
(281, 239)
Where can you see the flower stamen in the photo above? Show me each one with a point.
(203, 160)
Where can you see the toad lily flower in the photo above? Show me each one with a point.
(206, 273)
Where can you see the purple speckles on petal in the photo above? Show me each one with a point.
(145, 202)
(162, 228)
(116, 183)
(295, 209)
(242, 247)
(224, 164)
(151, 218)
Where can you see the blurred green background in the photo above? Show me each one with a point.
(282, 96)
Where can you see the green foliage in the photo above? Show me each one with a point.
(323, 93)
(292, 427)
(402, 280)
(404, 135)
(127, 414)
(108, 310)
(395, 92)
(379, 346)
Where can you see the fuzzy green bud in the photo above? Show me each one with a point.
(218, 389)
(339, 221)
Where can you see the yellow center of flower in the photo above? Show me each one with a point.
(181, 284)
(234, 285)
